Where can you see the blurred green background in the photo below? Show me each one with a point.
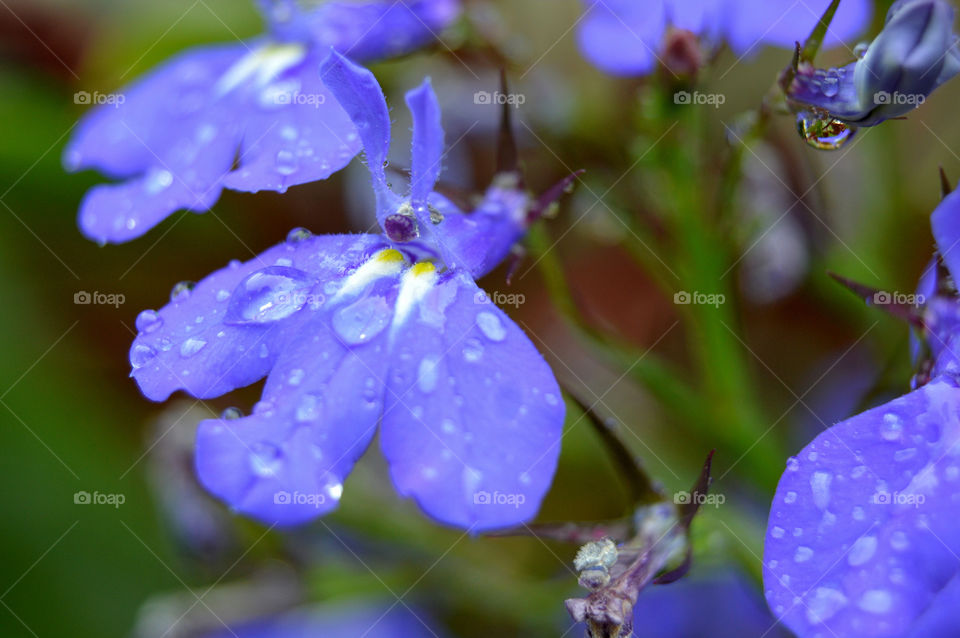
(788, 353)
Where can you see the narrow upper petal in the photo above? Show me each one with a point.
(473, 415)
(622, 37)
(863, 533)
(427, 152)
(357, 91)
(228, 330)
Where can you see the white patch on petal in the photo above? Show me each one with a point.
(260, 66)
(385, 263)
(414, 286)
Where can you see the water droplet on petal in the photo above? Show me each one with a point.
(148, 321)
(362, 320)
(892, 428)
(265, 459)
(803, 554)
(287, 162)
(192, 346)
(491, 326)
(427, 374)
(140, 355)
(268, 295)
(824, 133)
(182, 290)
(231, 414)
(296, 376)
(472, 350)
(157, 181)
(309, 408)
(297, 235)
(831, 83)
(793, 464)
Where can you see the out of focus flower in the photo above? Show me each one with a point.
(863, 533)
(249, 116)
(384, 621)
(915, 53)
(723, 604)
(356, 330)
(626, 37)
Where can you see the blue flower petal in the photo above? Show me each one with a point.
(754, 23)
(286, 463)
(427, 152)
(945, 222)
(473, 414)
(358, 92)
(364, 31)
(123, 139)
(863, 534)
(622, 37)
(187, 346)
(298, 134)
(479, 241)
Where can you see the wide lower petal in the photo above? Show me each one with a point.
(473, 416)
(863, 533)
(194, 344)
(286, 462)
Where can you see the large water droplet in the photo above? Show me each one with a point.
(362, 320)
(192, 346)
(892, 427)
(140, 355)
(148, 321)
(182, 290)
(268, 295)
(265, 459)
(491, 326)
(824, 133)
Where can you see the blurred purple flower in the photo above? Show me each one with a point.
(626, 37)
(723, 604)
(351, 619)
(352, 330)
(863, 535)
(914, 54)
(250, 116)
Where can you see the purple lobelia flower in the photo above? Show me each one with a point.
(626, 37)
(863, 534)
(915, 53)
(250, 116)
(352, 330)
